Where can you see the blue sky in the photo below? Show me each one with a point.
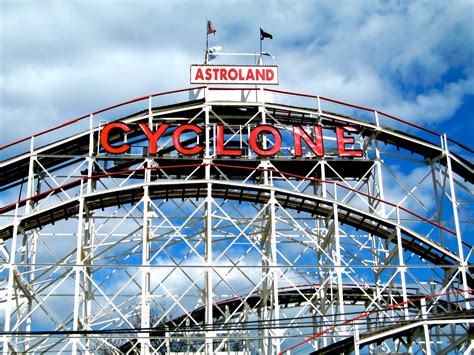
(64, 59)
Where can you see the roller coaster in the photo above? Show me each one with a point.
(247, 226)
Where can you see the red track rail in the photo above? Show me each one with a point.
(81, 180)
(231, 88)
(370, 110)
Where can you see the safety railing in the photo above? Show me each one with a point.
(319, 100)
(89, 115)
(376, 113)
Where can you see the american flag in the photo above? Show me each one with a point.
(211, 28)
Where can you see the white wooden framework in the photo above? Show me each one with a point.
(139, 253)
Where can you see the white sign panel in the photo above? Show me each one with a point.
(234, 74)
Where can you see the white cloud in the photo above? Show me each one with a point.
(72, 58)
(436, 104)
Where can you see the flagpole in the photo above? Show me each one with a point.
(260, 57)
(207, 41)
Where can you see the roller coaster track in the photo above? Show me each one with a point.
(14, 169)
(305, 294)
(226, 190)
(311, 204)
(399, 330)
(229, 181)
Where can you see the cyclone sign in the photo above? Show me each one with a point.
(300, 136)
(234, 74)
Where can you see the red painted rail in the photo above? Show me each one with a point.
(291, 93)
(370, 110)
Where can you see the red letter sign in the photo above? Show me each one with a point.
(153, 137)
(269, 151)
(342, 141)
(104, 138)
(177, 143)
(316, 146)
(220, 143)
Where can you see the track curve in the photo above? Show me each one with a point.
(314, 205)
(14, 169)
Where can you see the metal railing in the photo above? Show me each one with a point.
(290, 93)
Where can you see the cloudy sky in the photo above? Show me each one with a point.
(62, 59)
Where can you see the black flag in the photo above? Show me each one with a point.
(264, 34)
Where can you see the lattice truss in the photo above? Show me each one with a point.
(139, 253)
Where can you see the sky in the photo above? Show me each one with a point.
(63, 59)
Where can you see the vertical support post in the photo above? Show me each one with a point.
(380, 253)
(437, 200)
(426, 330)
(31, 176)
(401, 268)
(150, 113)
(208, 286)
(88, 274)
(377, 121)
(323, 177)
(10, 286)
(88, 241)
(207, 139)
(78, 268)
(209, 271)
(90, 157)
(321, 325)
(379, 180)
(275, 277)
(338, 264)
(28, 251)
(463, 264)
(265, 163)
(323, 273)
(267, 301)
(144, 337)
(356, 339)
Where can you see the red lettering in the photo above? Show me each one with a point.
(250, 75)
(260, 74)
(104, 138)
(270, 75)
(269, 151)
(177, 142)
(220, 143)
(153, 137)
(223, 74)
(216, 73)
(264, 140)
(208, 73)
(199, 74)
(233, 74)
(343, 140)
(241, 77)
(316, 146)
